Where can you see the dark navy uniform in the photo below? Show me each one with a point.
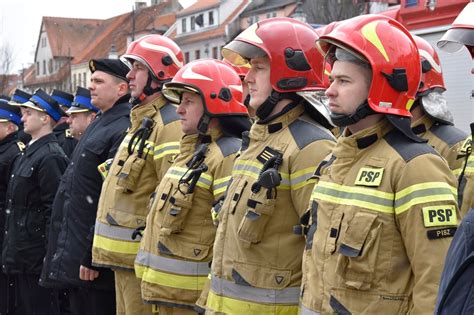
(65, 139)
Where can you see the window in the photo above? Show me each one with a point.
(214, 53)
(211, 18)
(74, 80)
(84, 75)
(50, 66)
(43, 42)
(274, 14)
(193, 23)
(186, 57)
(197, 54)
(44, 66)
(38, 70)
(183, 25)
(411, 3)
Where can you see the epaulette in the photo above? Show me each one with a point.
(168, 113)
(448, 134)
(228, 145)
(405, 147)
(305, 133)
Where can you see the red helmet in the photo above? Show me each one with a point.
(241, 70)
(390, 51)
(461, 32)
(217, 83)
(288, 43)
(431, 76)
(160, 54)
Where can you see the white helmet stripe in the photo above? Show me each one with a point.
(236, 87)
(190, 74)
(427, 56)
(166, 50)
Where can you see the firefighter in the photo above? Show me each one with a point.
(256, 263)
(383, 211)
(176, 250)
(61, 130)
(139, 165)
(10, 147)
(33, 183)
(432, 119)
(455, 290)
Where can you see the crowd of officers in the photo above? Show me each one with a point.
(155, 191)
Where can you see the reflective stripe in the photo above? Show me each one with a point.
(306, 311)
(457, 171)
(139, 270)
(205, 180)
(149, 145)
(174, 281)
(301, 178)
(470, 164)
(115, 232)
(252, 169)
(220, 185)
(354, 196)
(252, 294)
(166, 148)
(102, 168)
(422, 193)
(176, 266)
(115, 246)
(227, 305)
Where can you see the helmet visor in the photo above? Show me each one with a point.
(240, 53)
(173, 91)
(454, 39)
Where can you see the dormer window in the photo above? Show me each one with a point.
(193, 23)
(183, 25)
(211, 17)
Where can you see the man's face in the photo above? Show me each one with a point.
(138, 77)
(33, 120)
(104, 89)
(78, 123)
(190, 111)
(349, 87)
(258, 80)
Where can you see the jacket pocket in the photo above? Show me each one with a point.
(259, 211)
(125, 219)
(259, 276)
(176, 210)
(185, 249)
(130, 173)
(362, 302)
(358, 251)
(234, 194)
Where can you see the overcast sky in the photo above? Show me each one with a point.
(20, 20)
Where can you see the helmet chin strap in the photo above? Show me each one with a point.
(203, 124)
(343, 120)
(265, 109)
(148, 90)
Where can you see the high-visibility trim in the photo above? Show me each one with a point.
(470, 165)
(139, 270)
(252, 169)
(149, 145)
(110, 245)
(226, 288)
(115, 232)
(368, 198)
(205, 180)
(301, 178)
(457, 171)
(102, 168)
(227, 305)
(423, 193)
(220, 185)
(176, 266)
(167, 148)
(306, 311)
(174, 281)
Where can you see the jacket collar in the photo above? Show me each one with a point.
(350, 145)
(120, 108)
(421, 125)
(261, 131)
(30, 149)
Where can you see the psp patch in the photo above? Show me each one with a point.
(368, 176)
(442, 215)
